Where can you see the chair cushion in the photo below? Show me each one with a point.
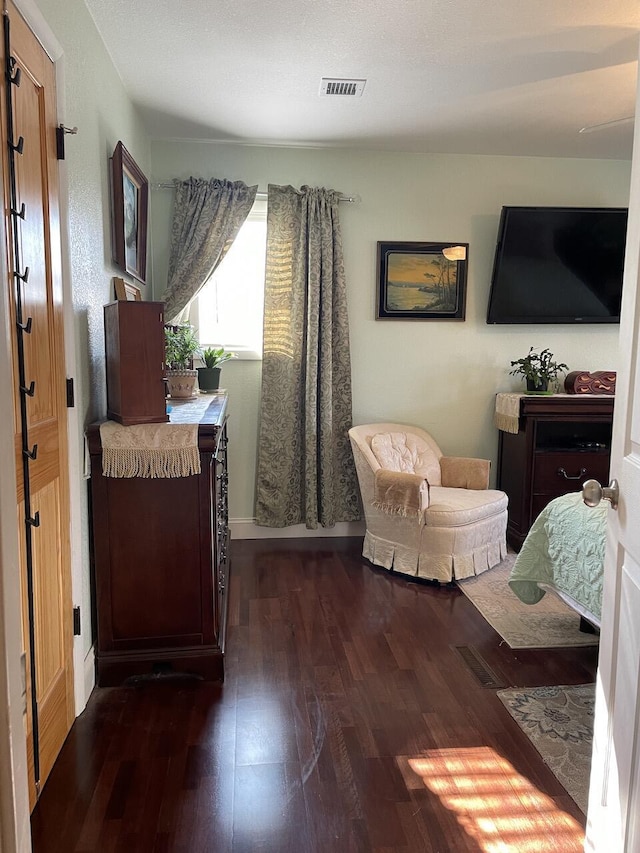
(458, 507)
(406, 452)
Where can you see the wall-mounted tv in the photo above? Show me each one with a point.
(558, 265)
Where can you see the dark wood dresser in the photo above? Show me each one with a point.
(161, 559)
(562, 440)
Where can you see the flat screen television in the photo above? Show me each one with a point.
(558, 265)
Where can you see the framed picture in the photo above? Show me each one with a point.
(130, 197)
(422, 281)
(125, 290)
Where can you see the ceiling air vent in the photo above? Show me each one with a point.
(330, 86)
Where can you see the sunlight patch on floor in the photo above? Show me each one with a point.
(500, 809)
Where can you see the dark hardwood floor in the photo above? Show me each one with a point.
(347, 721)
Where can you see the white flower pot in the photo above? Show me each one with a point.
(181, 383)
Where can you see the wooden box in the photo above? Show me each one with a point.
(134, 349)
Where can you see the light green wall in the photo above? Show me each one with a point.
(440, 375)
(92, 97)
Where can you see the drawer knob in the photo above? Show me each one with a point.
(563, 473)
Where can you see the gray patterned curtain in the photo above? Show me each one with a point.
(306, 471)
(207, 217)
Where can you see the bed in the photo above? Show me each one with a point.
(564, 553)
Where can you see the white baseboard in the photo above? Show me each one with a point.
(89, 673)
(246, 528)
(84, 674)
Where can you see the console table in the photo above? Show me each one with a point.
(161, 558)
(561, 441)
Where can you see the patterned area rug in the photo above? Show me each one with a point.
(559, 723)
(548, 624)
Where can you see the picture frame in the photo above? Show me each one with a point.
(130, 202)
(418, 281)
(124, 290)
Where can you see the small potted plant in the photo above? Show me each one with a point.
(181, 345)
(209, 375)
(538, 370)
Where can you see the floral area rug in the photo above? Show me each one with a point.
(548, 624)
(559, 723)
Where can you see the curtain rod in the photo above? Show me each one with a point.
(170, 185)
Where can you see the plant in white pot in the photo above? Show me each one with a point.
(181, 345)
(209, 375)
(538, 369)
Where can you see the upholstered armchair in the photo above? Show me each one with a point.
(427, 515)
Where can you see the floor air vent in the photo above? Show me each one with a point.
(481, 670)
(330, 86)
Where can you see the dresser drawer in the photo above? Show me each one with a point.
(558, 473)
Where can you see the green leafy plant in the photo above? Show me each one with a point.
(216, 357)
(538, 368)
(181, 345)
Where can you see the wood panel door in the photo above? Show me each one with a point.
(37, 237)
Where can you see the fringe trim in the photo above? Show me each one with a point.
(506, 423)
(397, 509)
(507, 413)
(154, 463)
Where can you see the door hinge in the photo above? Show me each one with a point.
(61, 130)
(71, 395)
(76, 622)
(60, 142)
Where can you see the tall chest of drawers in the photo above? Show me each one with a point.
(562, 440)
(161, 559)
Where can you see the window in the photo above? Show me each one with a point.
(228, 311)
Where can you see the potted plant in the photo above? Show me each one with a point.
(209, 375)
(538, 370)
(181, 345)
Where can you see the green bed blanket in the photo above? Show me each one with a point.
(565, 550)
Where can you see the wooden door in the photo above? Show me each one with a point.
(37, 237)
(613, 820)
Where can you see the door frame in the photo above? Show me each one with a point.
(83, 663)
(15, 829)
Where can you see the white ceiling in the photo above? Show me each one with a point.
(462, 76)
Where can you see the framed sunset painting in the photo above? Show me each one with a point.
(422, 281)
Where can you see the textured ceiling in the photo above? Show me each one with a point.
(459, 76)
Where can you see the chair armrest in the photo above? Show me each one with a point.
(398, 493)
(460, 472)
